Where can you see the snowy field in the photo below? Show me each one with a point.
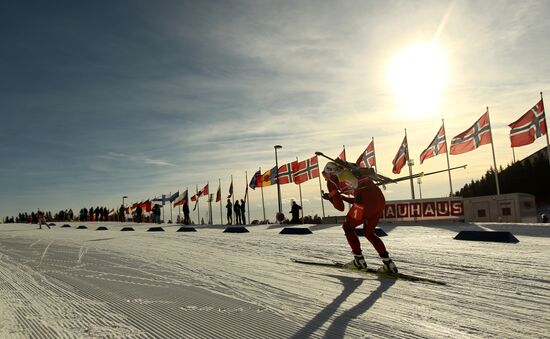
(83, 283)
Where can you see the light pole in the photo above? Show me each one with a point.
(419, 180)
(277, 178)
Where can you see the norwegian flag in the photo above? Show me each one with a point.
(529, 127)
(436, 147)
(284, 173)
(401, 157)
(342, 155)
(305, 170)
(477, 135)
(367, 158)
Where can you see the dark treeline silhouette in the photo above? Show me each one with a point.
(530, 175)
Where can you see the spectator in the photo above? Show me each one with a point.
(243, 207)
(229, 208)
(237, 210)
(295, 211)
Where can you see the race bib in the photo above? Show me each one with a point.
(356, 212)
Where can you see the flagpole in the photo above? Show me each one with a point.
(374, 153)
(344, 147)
(198, 206)
(221, 212)
(546, 121)
(494, 158)
(247, 197)
(320, 189)
(447, 154)
(233, 193)
(301, 202)
(513, 155)
(262, 190)
(409, 162)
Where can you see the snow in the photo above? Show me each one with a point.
(69, 283)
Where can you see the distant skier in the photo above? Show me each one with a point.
(347, 182)
(41, 219)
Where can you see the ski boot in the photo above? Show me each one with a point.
(388, 266)
(359, 261)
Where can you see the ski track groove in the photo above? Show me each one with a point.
(512, 290)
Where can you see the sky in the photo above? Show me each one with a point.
(106, 99)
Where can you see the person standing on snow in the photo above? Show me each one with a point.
(347, 182)
(237, 210)
(229, 207)
(295, 211)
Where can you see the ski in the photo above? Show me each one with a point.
(341, 265)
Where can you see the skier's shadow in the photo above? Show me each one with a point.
(338, 326)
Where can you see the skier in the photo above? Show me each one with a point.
(41, 219)
(347, 182)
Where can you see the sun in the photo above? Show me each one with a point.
(417, 77)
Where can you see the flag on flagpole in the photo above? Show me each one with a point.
(367, 158)
(219, 194)
(204, 191)
(230, 189)
(436, 147)
(285, 173)
(246, 193)
(256, 180)
(181, 199)
(269, 177)
(401, 157)
(477, 135)
(528, 127)
(342, 155)
(305, 170)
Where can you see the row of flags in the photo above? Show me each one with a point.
(297, 172)
(524, 131)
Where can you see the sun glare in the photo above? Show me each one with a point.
(417, 76)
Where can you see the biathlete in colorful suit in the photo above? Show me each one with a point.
(349, 183)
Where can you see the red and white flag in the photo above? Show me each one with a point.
(284, 173)
(401, 157)
(305, 170)
(529, 127)
(342, 155)
(477, 135)
(367, 159)
(436, 147)
(204, 191)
